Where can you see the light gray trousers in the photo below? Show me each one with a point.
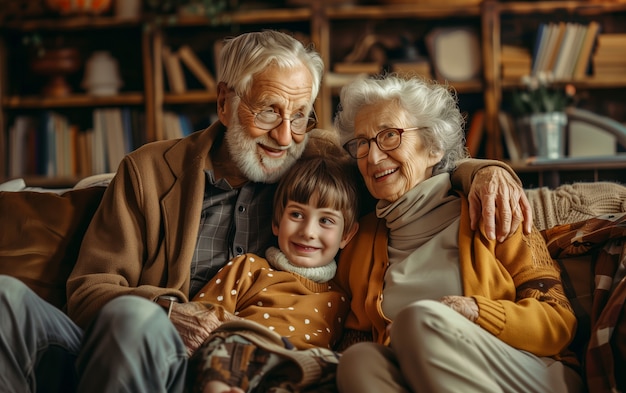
(131, 347)
(435, 349)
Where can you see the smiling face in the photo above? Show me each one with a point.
(310, 236)
(263, 155)
(390, 174)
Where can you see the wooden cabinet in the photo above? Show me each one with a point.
(335, 29)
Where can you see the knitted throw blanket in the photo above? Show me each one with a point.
(575, 202)
(604, 239)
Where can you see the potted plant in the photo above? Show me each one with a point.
(540, 108)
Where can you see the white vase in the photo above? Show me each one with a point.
(102, 75)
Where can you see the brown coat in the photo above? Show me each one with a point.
(142, 238)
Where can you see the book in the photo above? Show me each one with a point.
(516, 62)
(565, 52)
(172, 128)
(510, 138)
(217, 50)
(515, 72)
(114, 131)
(173, 70)
(420, 67)
(475, 133)
(540, 42)
(579, 38)
(515, 54)
(611, 40)
(546, 47)
(195, 65)
(556, 44)
(584, 57)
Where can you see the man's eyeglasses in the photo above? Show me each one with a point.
(386, 140)
(268, 120)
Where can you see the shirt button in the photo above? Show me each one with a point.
(239, 250)
(242, 209)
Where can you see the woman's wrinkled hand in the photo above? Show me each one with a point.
(196, 320)
(465, 306)
(501, 202)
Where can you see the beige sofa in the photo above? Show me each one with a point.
(584, 225)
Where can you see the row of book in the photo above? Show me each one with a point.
(49, 144)
(564, 49)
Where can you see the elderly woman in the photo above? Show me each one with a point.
(447, 309)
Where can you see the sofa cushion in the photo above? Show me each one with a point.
(40, 235)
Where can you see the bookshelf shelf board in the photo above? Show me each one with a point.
(74, 100)
(250, 16)
(550, 7)
(460, 87)
(402, 11)
(72, 23)
(591, 82)
(190, 97)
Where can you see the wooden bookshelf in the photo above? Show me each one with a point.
(498, 18)
(334, 28)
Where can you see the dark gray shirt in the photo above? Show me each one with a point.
(234, 221)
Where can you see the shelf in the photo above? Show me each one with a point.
(74, 100)
(245, 16)
(190, 97)
(586, 8)
(71, 23)
(402, 11)
(612, 168)
(460, 87)
(590, 82)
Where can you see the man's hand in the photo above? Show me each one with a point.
(196, 320)
(464, 305)
(499, 200)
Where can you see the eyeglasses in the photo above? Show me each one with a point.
(268, 120)
(386, 140)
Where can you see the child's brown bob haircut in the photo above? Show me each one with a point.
(331, 179)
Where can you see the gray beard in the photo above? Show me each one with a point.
(259, 167)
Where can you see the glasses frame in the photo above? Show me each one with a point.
(310, 125)
(375, 140)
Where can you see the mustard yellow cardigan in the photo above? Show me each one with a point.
(516, 284)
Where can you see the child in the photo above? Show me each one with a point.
(289, 291)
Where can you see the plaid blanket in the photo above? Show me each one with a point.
(602, 238)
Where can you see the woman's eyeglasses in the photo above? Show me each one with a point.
(386, 140)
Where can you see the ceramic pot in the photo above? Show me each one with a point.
(102, 76)
(56, 64)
